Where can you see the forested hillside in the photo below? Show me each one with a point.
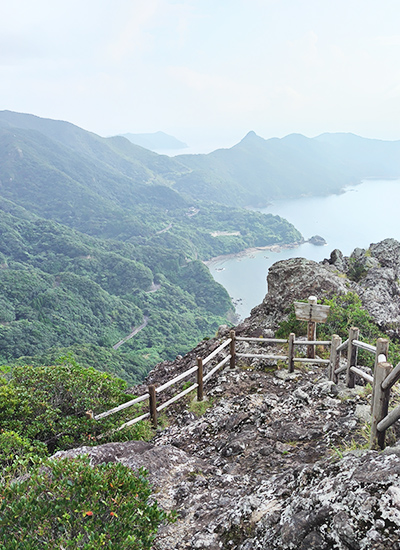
(257, 170)
(94, 242)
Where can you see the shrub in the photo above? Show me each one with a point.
(17, 453)
(345, 311)
(67, 503)
(48, 404)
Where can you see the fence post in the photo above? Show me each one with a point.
(380, 404)
(311, 331)
(291, 352)
(334, 358)
(382, 347)
(153, 404)
(200, 379)
(351, 357)
(232, 350)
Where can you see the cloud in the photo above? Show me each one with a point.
(389, 40)
(222, 93)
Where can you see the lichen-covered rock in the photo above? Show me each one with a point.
(296, 279)
(163, 463)
(353, 503)
(373, 274)
(266, 467)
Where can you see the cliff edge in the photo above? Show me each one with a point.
(279, 460)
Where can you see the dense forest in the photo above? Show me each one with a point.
(94, 242)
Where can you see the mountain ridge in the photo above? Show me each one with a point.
(103, 213)
(156, 141)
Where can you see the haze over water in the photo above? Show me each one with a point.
(363, 214)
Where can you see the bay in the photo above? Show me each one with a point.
(363, 214)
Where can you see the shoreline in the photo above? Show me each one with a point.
(249, 251)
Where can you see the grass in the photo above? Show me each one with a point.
(360, 442)
(200, 407)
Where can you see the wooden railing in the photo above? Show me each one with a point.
(153, 391)
(383, 379)
(202, 377)
(384, 376)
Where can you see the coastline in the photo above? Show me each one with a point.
(249, 251)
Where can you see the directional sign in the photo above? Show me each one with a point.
(311, 312)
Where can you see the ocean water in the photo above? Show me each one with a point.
(363, 214)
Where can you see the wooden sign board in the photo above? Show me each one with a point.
(311, 312)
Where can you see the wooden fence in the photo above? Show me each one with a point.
(382, 381)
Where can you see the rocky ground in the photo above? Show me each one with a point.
(278, 460)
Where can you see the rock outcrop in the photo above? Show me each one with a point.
(279, 461)
(373, 274)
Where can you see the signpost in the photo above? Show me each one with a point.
(313, 314)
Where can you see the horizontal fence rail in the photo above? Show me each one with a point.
(176, 397)
(217, 351)
(390, 419)
(217, 367)
(260, 340)
(364, 346)
(134, 421)
(393, 377)
(312, 342)
(340, 370)
(363, 374)
(310, 360)
(343, 346)
(176, 379)
(122, 407)
(384, 376)
(261, 356)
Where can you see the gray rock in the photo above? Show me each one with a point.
(337, 259)
(325, 388)
(162, 462)
(286, 375)
(363, 412)
(301, 395)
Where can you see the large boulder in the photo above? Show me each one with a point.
(296, 279)
(164, 463)
(373, 274)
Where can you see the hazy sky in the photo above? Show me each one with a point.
(205, 71)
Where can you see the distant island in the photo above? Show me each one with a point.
(156, 141)
(317, 240)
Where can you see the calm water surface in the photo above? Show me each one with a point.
(364, 214)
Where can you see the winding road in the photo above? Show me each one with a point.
(133, 333)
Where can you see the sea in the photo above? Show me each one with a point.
(362, 214)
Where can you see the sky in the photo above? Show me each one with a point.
(206, 72)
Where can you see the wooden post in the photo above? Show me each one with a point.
(311, 331)
(382, 347)
(291, 352)
(232, 350)
(200, 379)
(351, 357)
(380, 404)
(153, 404)
(334, 358)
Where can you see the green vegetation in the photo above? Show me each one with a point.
(66, 503)
(257, 170)
(200, 407)
(46, 407)
(346, 311)
(94, 243)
